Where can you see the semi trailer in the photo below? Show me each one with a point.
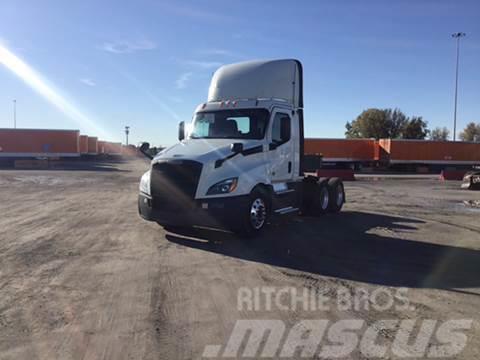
(239, 163)
(39, 143)
(399, 154)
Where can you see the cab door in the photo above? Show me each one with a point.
(281, 148)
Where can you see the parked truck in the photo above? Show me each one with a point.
(240, 161)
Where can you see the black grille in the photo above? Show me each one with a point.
(174, 183)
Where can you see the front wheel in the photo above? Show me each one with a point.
(254, 216)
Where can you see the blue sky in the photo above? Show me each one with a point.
(148, 63)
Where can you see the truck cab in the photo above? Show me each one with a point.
(239, 162)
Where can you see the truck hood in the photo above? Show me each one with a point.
(203, 150)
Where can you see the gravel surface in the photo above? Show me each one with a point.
(82, 276)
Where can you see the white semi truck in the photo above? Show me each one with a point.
(240, 161)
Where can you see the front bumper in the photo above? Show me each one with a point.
(216, 212)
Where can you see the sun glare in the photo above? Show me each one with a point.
(42, 86)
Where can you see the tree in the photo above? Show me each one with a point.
(371, 123)
(471, 133)
(415, 128)
(397, 121)
(386, 123)
(440, 134)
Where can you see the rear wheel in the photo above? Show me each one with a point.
(321, 199)
(336, 194)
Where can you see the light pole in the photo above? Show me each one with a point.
(14, 114)
(456, 36)
(127, 131)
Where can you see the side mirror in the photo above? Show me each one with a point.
(144, 147)
(236, 147)
(144, 150)
(181, 130)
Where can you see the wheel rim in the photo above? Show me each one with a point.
(339, 195)
(258, 213)
(324, 198)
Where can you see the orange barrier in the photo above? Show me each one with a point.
(452, 174)
(344, 174)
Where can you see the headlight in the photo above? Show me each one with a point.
(223, 187)
(145, 183)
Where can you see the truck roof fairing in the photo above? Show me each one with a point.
(275, 79)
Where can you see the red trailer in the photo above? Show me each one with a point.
(101, 146)
(129, 150)
(342, 150)
(83, 144)
(39, 143)
(396, 151)
(92, 145)
(112, 148)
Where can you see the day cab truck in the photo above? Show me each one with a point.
(240, 162)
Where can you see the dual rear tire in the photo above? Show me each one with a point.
(324, 196)
(336, 195)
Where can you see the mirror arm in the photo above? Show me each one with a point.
(147, 155)
(220, 162)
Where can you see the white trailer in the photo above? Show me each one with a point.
(240, 161)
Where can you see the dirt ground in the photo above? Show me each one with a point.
(82, 276)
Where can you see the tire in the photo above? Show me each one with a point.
(336, 193)
(321, 199)
(255, 215)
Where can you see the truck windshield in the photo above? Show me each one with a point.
(230, 124)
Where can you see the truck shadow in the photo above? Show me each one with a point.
(353, 245)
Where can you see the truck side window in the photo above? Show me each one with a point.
(281, 129)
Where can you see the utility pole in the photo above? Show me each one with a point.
(14, 113)
(456, 36)
(127, 131)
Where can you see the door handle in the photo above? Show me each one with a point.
(289, 167)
